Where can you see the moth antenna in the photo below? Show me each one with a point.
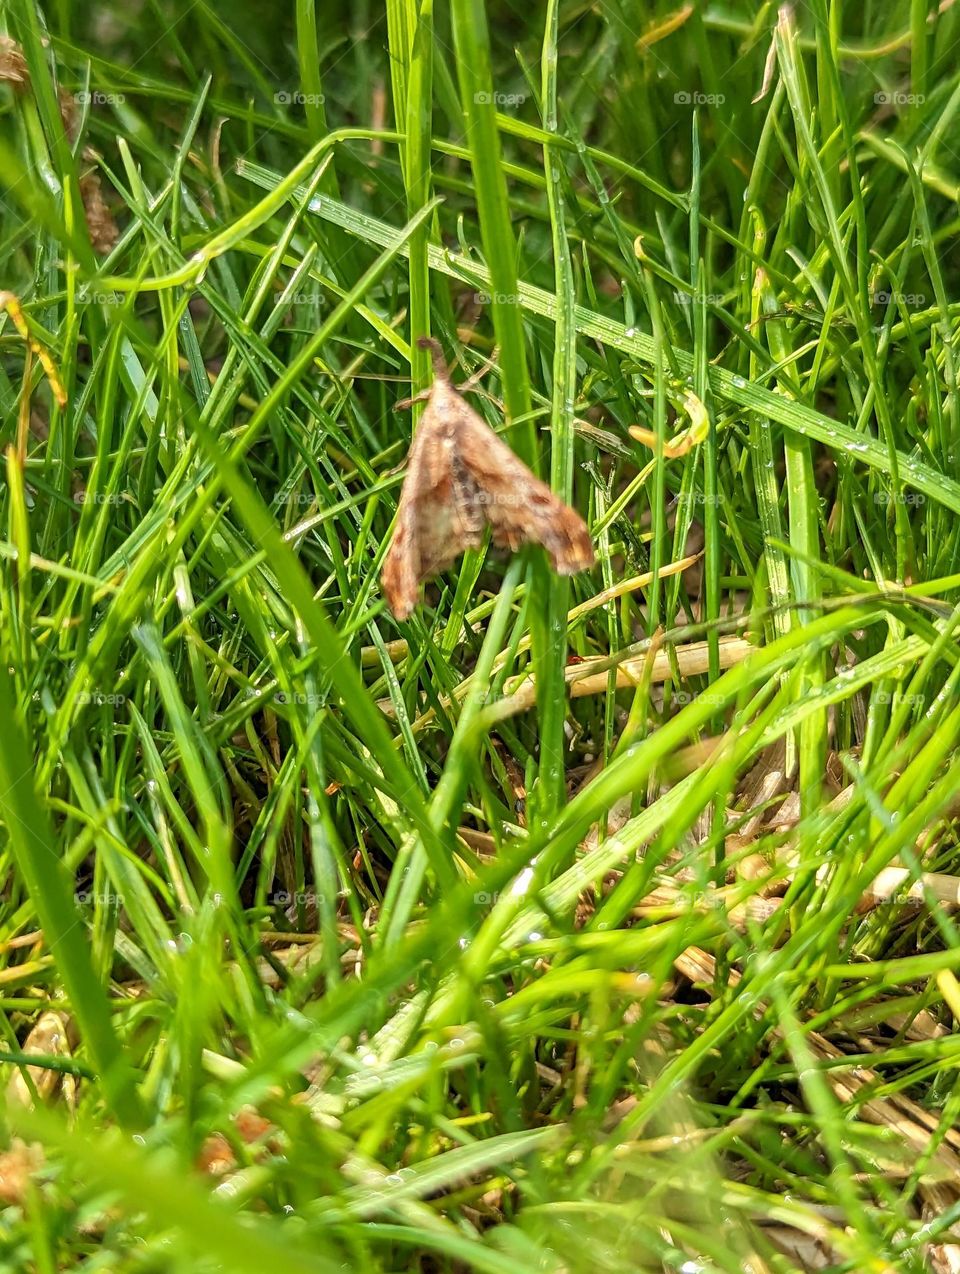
(436, 355)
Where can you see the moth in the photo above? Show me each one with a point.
(461, 478)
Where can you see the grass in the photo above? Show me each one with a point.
(592, 924)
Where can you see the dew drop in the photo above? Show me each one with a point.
(522, 882)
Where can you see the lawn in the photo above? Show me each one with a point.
(577, 891)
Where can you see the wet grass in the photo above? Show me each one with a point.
(591, 924)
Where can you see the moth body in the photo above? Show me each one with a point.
(461, 478)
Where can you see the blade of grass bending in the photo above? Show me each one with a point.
(725, 386)
(231, 235)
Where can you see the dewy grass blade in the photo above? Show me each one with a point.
(726, 386)
(319, 157)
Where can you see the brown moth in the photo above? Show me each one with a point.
(460, 479)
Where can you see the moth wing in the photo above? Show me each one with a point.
(434, 523)
(517, 505)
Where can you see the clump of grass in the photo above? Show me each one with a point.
(591, 924)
